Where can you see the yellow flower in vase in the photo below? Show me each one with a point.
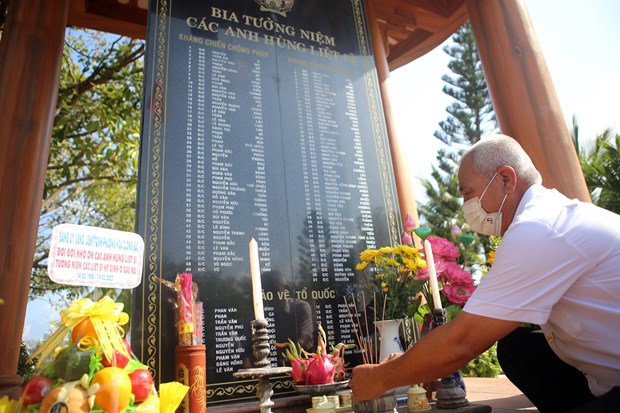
(390, 272)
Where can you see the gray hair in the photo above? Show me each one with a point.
(489, 154)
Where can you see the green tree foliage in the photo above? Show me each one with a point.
(600, 164)
(26, 369)
(93, 160)
(470, 116)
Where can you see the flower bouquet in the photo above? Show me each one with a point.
(455, 281)
(392, 274)
(399, 275)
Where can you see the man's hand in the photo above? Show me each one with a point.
(441, 352)
(364, 383)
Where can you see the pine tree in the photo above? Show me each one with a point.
(470, 117)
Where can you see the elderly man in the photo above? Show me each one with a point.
(558, 266)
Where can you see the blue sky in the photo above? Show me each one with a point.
(579, 40)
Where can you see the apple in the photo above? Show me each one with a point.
(141, 384)
(36, 389)
(118, 359)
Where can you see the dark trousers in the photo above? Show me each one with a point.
(551, 384)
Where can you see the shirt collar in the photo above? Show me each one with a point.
(532, 192)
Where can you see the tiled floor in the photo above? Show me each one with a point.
(499, 393)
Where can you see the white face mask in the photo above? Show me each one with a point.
(481, 221)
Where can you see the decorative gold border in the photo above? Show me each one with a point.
(246, 389)
(379, 128)
(154, 193)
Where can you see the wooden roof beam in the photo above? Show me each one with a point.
(443, 8)
(415, 16)
(111, 17)
(423, 41)
(440, 8)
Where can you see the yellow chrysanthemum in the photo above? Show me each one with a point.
(369, 255)
(392, 271)
(491, 256)
(392, 262)
(420, 263)
(409, 263)
(361, 266)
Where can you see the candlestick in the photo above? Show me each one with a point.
(449, 395)
(257, 289)
(262, 370)
(432, 274)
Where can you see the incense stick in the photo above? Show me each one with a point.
(372, 358)
(355, 329)
(374, 322)
(382, 319)
(358, 319)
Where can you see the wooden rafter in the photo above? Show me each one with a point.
(410, 28)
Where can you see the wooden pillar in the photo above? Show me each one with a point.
(404, 186)
(30, 59)
(525, 101)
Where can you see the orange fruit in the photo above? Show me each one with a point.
(84, 329)
(114, 389)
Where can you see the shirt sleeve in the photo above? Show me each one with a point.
(534, 266)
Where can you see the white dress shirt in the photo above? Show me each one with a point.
(558, 266)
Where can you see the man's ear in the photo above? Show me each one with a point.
(509, 178)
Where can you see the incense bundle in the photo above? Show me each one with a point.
(187, 292)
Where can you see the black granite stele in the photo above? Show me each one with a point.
(268, 124)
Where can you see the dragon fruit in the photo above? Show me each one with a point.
(320, 370)
(337, 358)
(299, 370)
(322, 367)
(299, 362)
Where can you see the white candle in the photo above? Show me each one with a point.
(257, 288)
(432, 274)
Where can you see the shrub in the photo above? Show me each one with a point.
(485, 365)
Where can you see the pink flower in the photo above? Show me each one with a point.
(453, 273)
(422, 275)
(410, 223)
(444, 248)
(458, 293)
(406, 239)
(440, 267)
(455, 232)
